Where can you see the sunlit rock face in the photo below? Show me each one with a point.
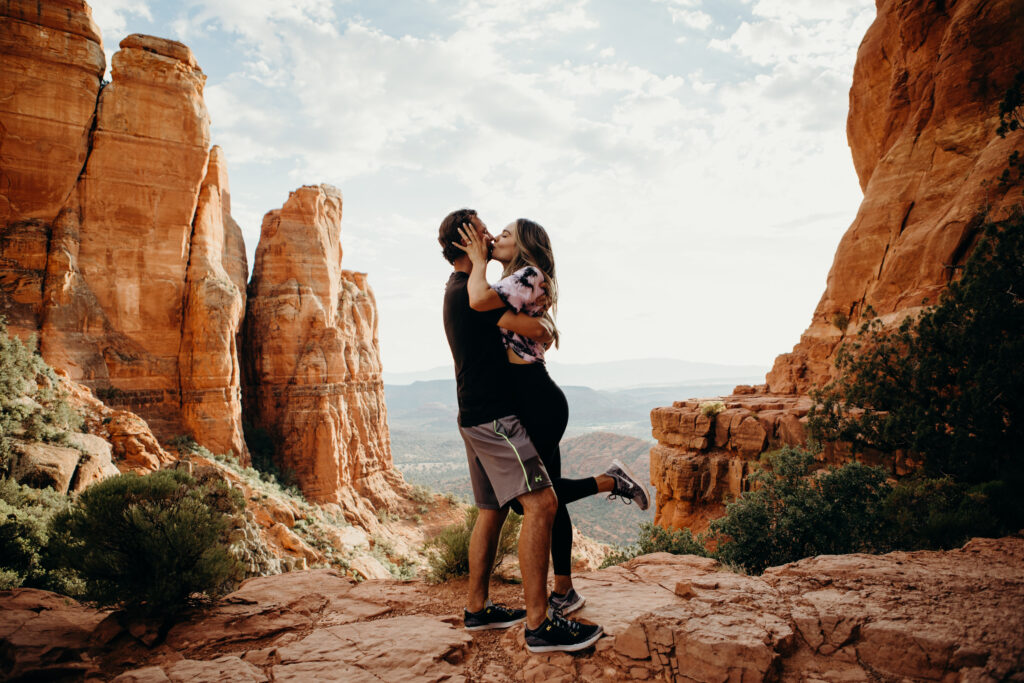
(51, 63)
(923, 113)
(313, 359)
(117, 246)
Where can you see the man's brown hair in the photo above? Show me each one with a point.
(448, 233)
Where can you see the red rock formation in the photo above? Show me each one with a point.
(951, 615)
(921, 127)
(211, 400)
(116, 244)
(51, 63)
(701, 461)
(313, 359)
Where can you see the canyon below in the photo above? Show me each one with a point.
(120, 257)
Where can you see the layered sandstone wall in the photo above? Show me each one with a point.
(923, 114)
(117, 248)
(51, 63)
(921, 128)
(313, 373)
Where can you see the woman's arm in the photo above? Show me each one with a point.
(526, 325)
(481, 296)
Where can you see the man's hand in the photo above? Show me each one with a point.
(474, 245)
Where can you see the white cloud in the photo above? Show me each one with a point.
(695, 19)
(686, 12)
(112, 16)
(690, 187)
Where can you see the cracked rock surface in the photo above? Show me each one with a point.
(953, 615)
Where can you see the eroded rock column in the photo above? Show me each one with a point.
(313, 358)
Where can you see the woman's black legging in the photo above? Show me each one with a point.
(544, 413)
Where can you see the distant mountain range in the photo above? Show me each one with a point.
(619, 374)
(431, 406)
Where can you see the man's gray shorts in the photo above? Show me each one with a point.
(503, 464)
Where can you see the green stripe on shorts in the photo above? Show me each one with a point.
(516, 451)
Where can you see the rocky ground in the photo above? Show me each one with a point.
(956, 615)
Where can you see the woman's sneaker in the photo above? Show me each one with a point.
(566, 604)
(492, 616)
(627, 486)
(558, 634)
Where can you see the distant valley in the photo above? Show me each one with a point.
(603, 425)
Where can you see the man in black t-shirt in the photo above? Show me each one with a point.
(504, 465)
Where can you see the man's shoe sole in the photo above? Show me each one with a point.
(573, 647)
(499, 624)
(639, 483)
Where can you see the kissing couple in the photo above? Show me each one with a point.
(512, 417)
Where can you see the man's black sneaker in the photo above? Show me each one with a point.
(566, 604)
(558, 634)
(627, 486)
(492, 616)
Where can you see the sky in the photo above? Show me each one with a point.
(687, 157)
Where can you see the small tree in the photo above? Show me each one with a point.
(449, 550)
(948, 385)
(150, 543)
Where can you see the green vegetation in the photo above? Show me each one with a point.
(711, 408)
(656, 539)
(794, 512)
(32, 405)
(949, 385)
(25, 516)
(449, 551)
(150, 543)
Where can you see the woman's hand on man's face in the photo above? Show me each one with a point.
(473, 244)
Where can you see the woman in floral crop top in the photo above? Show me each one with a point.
(528, 285)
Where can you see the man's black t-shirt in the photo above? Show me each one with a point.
(481, 365)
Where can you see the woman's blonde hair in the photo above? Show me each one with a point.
(533, 248)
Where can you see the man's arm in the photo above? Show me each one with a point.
(526, 325)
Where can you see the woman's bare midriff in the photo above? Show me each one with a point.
(513, 358)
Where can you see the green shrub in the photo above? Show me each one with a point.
(32, 405)
(938, 513)
(656, 539)
(421, 494)
(449, 550)
(150, 543)
(948, 385)
(25, 515)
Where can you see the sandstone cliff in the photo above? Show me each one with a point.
(951, 615)
(116, 243)
(921, 127)
(51, 63)
(313, 361)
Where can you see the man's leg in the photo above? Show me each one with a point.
(483, 545)
(534, 545)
